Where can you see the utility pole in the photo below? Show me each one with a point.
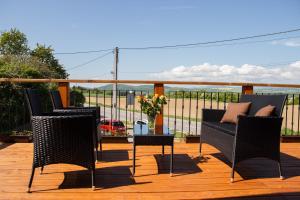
(115, 87)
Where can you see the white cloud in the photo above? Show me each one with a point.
(289, 43)
(230, 73)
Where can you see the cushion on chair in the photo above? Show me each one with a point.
(265, 111)
(233, 110)
(228, 128)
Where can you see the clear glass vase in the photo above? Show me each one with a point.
(151, 122)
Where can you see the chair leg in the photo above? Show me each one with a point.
(280, 171)
(101, 148)
(97, 156)
(233, 167)
(232, 172)
(31, 179)
(163, 150)
(200, 148)
(172, 160)
(93, 179)
(134, 149)
(41, 171)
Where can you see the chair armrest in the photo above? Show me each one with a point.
(261, 131)
(73, 107)
(53, 114)
(212, 115)
(94, 110)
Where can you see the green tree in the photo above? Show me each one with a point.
(24, 67)
(13, 42)
(45, 55)
(17, 61)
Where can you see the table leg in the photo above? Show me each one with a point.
(163, 150)
(134, 148)
(171, 160)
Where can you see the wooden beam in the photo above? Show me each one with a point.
(64, 90)
(159, 121)
(20, 80)
(287, 139)
(247, 89)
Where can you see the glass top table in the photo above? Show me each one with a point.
(144, 130)
(143, 136)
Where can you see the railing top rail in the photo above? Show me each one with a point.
(23, 80)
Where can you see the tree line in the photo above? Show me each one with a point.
(17, 60)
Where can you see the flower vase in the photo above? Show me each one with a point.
(151, 122)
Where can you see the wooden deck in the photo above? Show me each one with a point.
(193, 179)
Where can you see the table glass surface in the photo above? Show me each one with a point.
(143, 130)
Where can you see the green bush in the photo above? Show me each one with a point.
(77, 98)
(18, 61)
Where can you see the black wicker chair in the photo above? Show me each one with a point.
(60, 138)
(58, 107)
(251, 137)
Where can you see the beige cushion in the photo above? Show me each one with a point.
(265, 111)
(233, 110)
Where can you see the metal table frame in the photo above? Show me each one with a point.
(153, 140)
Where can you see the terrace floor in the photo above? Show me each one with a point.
(193, 179)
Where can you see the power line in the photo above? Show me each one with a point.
(90, 61)
(193, 44)
(82, 52)
(210, 42)
(249, 42)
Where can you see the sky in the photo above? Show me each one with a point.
(72, 26)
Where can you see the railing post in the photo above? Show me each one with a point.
(159, 121)
(247, 89)
(64, 90)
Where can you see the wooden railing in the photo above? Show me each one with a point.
(64, 86)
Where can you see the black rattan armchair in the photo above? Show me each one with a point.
(251, 137)
(58, 107)
(60, 138)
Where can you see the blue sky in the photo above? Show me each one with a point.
(70, 26)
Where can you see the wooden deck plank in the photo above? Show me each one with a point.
(194, 178)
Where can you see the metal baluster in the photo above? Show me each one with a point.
(9, 113)
(141, 108)
(231, 97)
(218, 100)
(89, 98)
(225, 100)
(126, 107)
(24, 111)
(292, 123)
(190, 112)
(175, 112)
(286, 114)
(96, 98)
(169, 100)
(104, 107)
(111, 106)
(298, 114)
(133, 111)
(204, 95)
(182, 112)
(197, 112)
(211, 100)
(119, 108)
(97, 104)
